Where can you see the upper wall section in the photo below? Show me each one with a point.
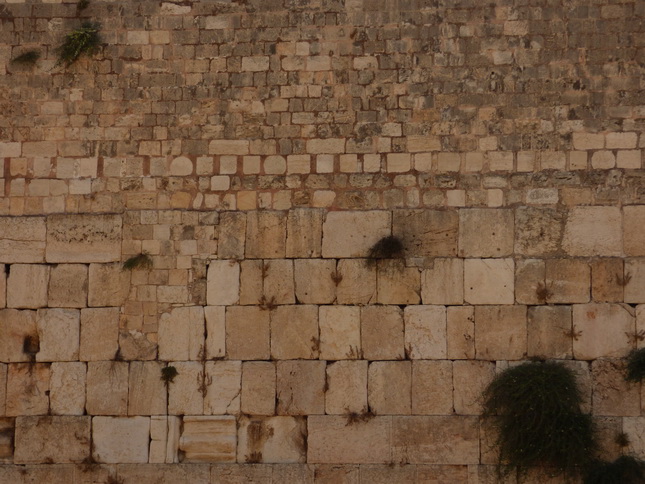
(245, 104)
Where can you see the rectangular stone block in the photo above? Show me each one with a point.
(209, 439)
(120, 440)
(593, 231)
(389, 387)
(612, 395)
(346, 387)
(67, 388)
(279, 287)
(27, 389)
(258, 388)
(530, 281)
(252, 281)
(18, 335)
(183, 395)
(215, 331)
(3, 286)
(315, 280)
(294, 332)
(99, 339)
(352, 234)
(164, 439)
(3, 389)
(27, 286)
(68, 285)
(83, 238)
(181, 334)
(634, 280)
(382, 333)
(567, 281)
(633, 230)
(444, 282)
(550, 332)
(109, 285)
(304, 233)
(538, 231)
(272, 440)
(232, 235)
(22, 239)
(460, 332)
(247, 333)
(340, 332)
(58, 333)
(432, 387)
(486, 232)
(500, 332)
(602, 330)
(356, 282)
(266, 235)
(396, 283)
(489, 281)
(425, 332)
(42, 440)
(427, 233)
(223, 396)
(470, 379)
(107, 388)
(300, 387)
(147, 392)
(607, 280)
(223, 285)
(7, 432)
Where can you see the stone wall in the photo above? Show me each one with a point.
(248, 155)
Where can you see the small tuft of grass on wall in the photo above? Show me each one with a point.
(624, 470)
(139, 261)
(636, 365)
(85, 40)
(27, 58)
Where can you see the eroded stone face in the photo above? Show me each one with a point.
(120, 439)
(602, 330)
(83, 238)
(593, 231)
(22, 239)
(44, 439)
(352, 234)
(209, 439)
(272, 439)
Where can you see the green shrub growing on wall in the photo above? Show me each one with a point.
(82, 41)
(624, 470)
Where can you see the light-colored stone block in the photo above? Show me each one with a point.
(3, 286)
(606, 280)
(183, 395)
(382, 333)
(538, 231)
(252, 281)
(232, 234)
(489, 281)
(427, 233)
(266, 235)
(635, 428)
(485, 232)
(45, 439)
(346, 387)
(530, 281)
(602, 330)
(470, 379)
(357, 282)
(272, 440)
(83, 238)
(425, 332)
(3, 391)
(612, 395)
(223, 285)
(58, 333)
(304, 232)
(300, 387)
(567, 281)
(396, 283)
(22, 239)
(121, 440)
(340, 332)
(279, 282)
(147, 393)
(432, 387)
(68, 285)
(28, 389)
(18, 332)
(209, 439)
(107, 388)
(223, 396)
(352, 234)
(500, 332)
(444, 282)
(99, 338)
(593, 231)
(247, 333)
(164, 439)
(181, 334)
(314, 280)
(294, 332)
(67, 388)
(634, 280)
(215, 331)
(27, 286)
(109, 285)
(389, 387)
(550, 332)
(258, 388)
(460, 332)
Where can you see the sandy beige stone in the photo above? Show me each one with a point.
(425, 332)
(396, 283)
(7, 431)
(500, 332)
(209, 439)
(17, 330)
(357, 282)
(67, 388)
(232, 234)
(181, 334)
(549, 332)
(99, 339)
(530, 281)
(154, 474)
(634, 427)
(294, 332)
(486, 232)
(427, 233)
(27, 286)
(183, 395)
(337, 474)
(301, 473)
(68, 285)
(223, 285)
(432, 474)
(265, 235)
(432, 387)
(233, 473)
(279, 282)
(300, 387)
(58, 333)
(215, 331)
(538, 231)
(352, 234)
(314, 280)
(593, 231)
(28, 389)
(147, 393)
(612, 394)
(606, 278)
(389, 387)
(251, 282)
(109, 285)
(120, 440)
(107, 388)
(382, 333)
(470, 379)
(489, 281)
(444, 282)
(83, 238)
(602, 330)
(304, 232)
(272, 439)
(3, 389)
(59, 439)
(346, 387)
(223, 396)
(634, 280)
(247, 333)
(340, 332)
(384, 474)
(22, 239)
(567, 281)
(3, 286)
(632, 226)
(164, 439)
(460, 332)
(258, 388)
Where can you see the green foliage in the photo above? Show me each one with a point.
(389, 247)
(636, 365)
(624, 470)
(535, 408)
(27, 58)
(140, 261)
(168, 374)
(82, 5)
(82, 41)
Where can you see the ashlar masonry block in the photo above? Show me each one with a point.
(633, 230)
(251, 281)
(550, 332)
(215, 331)
(27, 286)
(300, 387)
(147, 393)
(181, 334)
(444, 282)
(352, 234)
(612, 395)
(209, 439)
(489, 281)
(99, 339)
(272, 440)
(3, 286)
(356, 282)
(247, 333)
(427, 233)
(389, 386)
(602, 330)
(223, 395)
(460, 332)
(164, 439)
(183, 395)
(382, 333)
(279, 287)
(83, 238)
(425, 332)
(68, 284)
(486, 232)
(22, 239)
(45, 439)
(304, 232)
(396, 283)
(538, 231)
(470, 379)
(294, 332)
(607, 276)
(109, 285)
(232, 234)
(223, 283)
(500, 332)
(314, 280)
(3, 392)
(347, 387)
(634, 280)
(567, 281)
(530, 281)
(340, 332)
(27, 389)
(266, 235)
(593, 231)
(107, 388)
(59, 334)
(258, 388)
(67, 388)
(432, 387)
(122, 440)
(15, 327)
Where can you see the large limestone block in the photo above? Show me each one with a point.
(425, 332)
(28, 389)
(3, 389)
(68, 285)
(444, 282)
(181, 334)
(109, 285)
(304, 233)
(352, 234)
(332, 440)
(346, 387)
(635, 428)
(223, 396)
(382, 333)
(432, 387)
(470, 379)
(594, 231)
(27, 286)
(300, 387)
(232, 234)
(489, 281)
(168, 473)
(486, 232)
(247, 333)
(340, 332)
(252, 275)
(107, 388)
(530, 281)
(22, 239)
(356, 282)
(99, 338)
(83, 238)
(567, 281)
(147, 393)
(538, 231)
(3, 286)
(58, 332)
(606, 280)
(427, 233)
(435, 440)
(279, 287)
(634, 279)
(389, 387)
(18, 332)
(460, 332)
(258, 388)
(42, 440)
(272, 440)
(184, 397)
(612, 394)
(120, 440)
(633, 230)
(500, 332)
(223, 284)
(209, 439)
(549, 332)
(266, 235)
(136, 345)
(215, 331)
(602, 330)
(294, 332)
(396, 283)
(164, 439)
(67, 388)
(314, 279)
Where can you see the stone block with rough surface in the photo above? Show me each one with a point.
(58, 334)
(300, 387)
(443, 283)
(18, 332)
(99, 339)
(181, 334)
(208, 439)
(109, 285)
(489, 281)
(304, 233)
(314, 281)
(426, 233)
(146, 391)
(340, 332)
(486, 232)
(272, 440)
(67, 388)
(28, 387)
(258, 388)
(396, 283)
(68, 284)
(83, 238)
(602, 330)
(122, 440)
(470, 379)
(593, 231)
(223, 286)
(223, 395)
(44, 439)
(107, 388)
(356, 282)
(500, 332)
(352, 234)
(22, 239)
(549, 332)
(425, 332)
(294, 332)
(432, 387)
(346, 387)
(382, 333)
(247, 333)
(27, 286)
(389, 387)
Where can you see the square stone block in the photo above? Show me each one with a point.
(247, 333)
(486, 232)
(602, 330)
(147, 392)
(633, 230)
(500, 332)
(279, 287)
(68, 284)
(427, 233)
(27, 286)
(396, 283)
(304, 232)
(634, 280)
(489, 281)
(470, 379)
(567, 281)
(181, 334)
(300, 387)
(460, 332)
(28, 389)
(258, 388)
(444, 282)
(352, 234)
(22, 239)
(223, 396)
(183, 395)
(593, 231)
(340, 332)
(18, 331)
(550, 332)
(382, 333)
(67, 388)
(52, 439)
(107, 388)
(432, 387)
(294, 332)
(99, 338)
(346, 387)
(232, 235)
(209, 439)
(120, 440)
(109, 285)
(272, 440)
(314, 279)
(357, 282)
(425, 332)
(530, 281)
(266, 234)
(389, 387)
(607, 276)
(223, 285)
(59, 334)
(538, 231)
(83, 238)
(612, 394)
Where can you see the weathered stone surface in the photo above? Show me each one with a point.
(485, 232)
(612, 395)
(567, 281)
(300, 387)
(396, 283)
(223, 396)
(7, 431)
(3, 389)
(337, 474)
(247, 333)
(634, 427)
(425, 332)
(382, 333)
(107, 388)
(549, 332)
(470, 379)
(438, 474)
(67, 388)
(432, 387)
(332, 440)
(154, 474)
(489, 281)
(593, 231)
(530, 281)
(209, 439)
(538, 231)
(340, 332)
(233, 473)
(346, 387)
(232, 234)
(18, 331)
(382, 474)
(252, 282)
(22, 239)
(634, 280)
(304, 233)
(109, 285)
(444, 282)
(215, 331)
(265, 235)
(68, 285)
(294, 332)
(181, 334)
(83, 238)
(279, 282)
(27, 389)
(46, 439)
(389, 386)
(223, 286)
(120, 440)
(258, 388)
(3, 286)
(272, 439)
(164, 439)
(27, 286)
(427, 233)
(357, 282)
(460, 332)
(606, 280)
(183, 395)
(314, 280)
(352, 234)
(633, 230)
(58, 333)
(500, 332)
(301, 473)
(147, 392)
(135, 345)
(602, 330)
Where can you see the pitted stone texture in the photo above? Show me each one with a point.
(215, 331)
(107, 388)
(486, 232)
(223, 396)
(67, 388)
(470, 379)
(427, 233)
(120, 440)
(346, 387)
(99, 338)
(68, 284)
(304, 233)
(181, 334)
(357, 282)
(352, 234)
(28, 389)
(612, 394)
(3, 391)
(607, 276)
(567, 281)
(300, 387)
(272, 439)
(314, 280)
(135, 345)
(279, 285)
(45, 439)
(444, 282)
(602, 330)
(382, 333)
(340, 332)
(489, 281)
(396, 283)
(258, 388)
(594, 231)
(58, 332)
(17, 330)
(460, 332)
(146, 391)
(530, 281)
(549, 332)
(109, 285)
(223, 286)
(83, 238)
(538, 231)
(265, 235)
(232, 234)
(183, 397)
(209, 439)
(27, 286)
(425, 332)
(389, 386)
(500, 332)
(294, 332)
(22, 239)
(634, 280)
(7, 431)
(247, 333)
(432, 387)
(634, 427)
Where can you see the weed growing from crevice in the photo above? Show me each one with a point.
(624, 470)
(622, 439)
(359, 417)
(31, 346)
(82, 5)
(85, 40)
(168, 375)
(636, 365)
(390, 247)
(27, 58)
(139, 261)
